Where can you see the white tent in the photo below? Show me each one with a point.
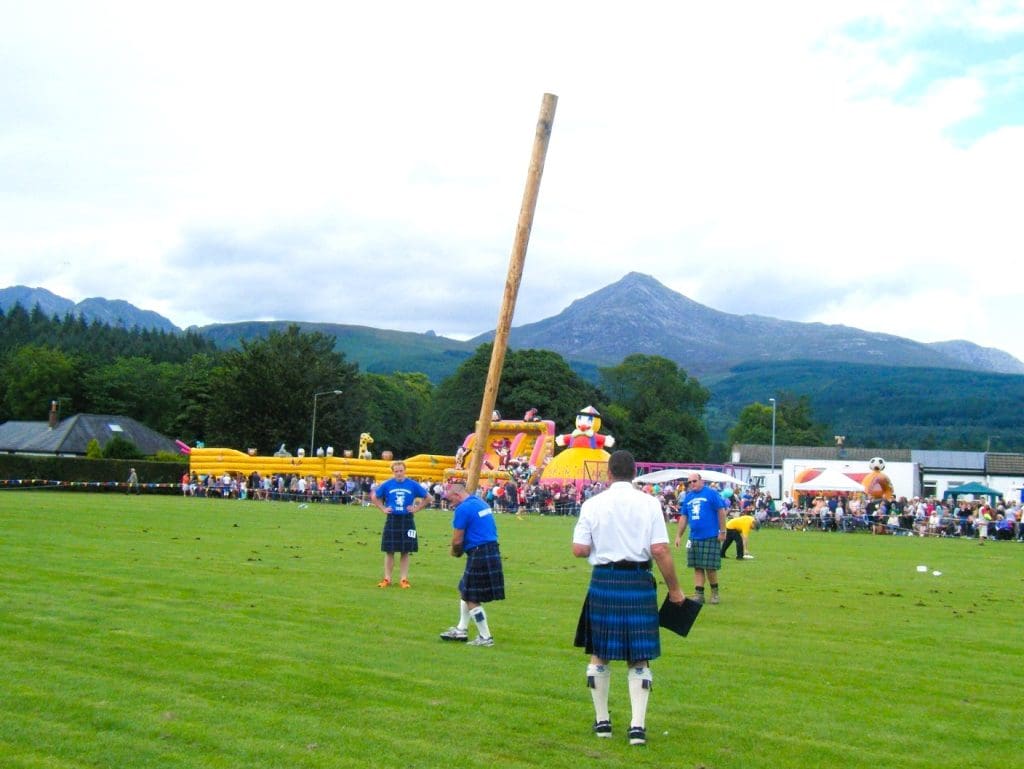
(829, 480)
(675, 473)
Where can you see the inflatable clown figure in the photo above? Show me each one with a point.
(584, 455)
(586, 436)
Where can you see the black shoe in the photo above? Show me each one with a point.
(602, 728)
(637, 735)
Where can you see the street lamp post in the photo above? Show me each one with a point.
(312, 433)
(772, 401)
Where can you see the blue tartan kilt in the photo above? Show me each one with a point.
(620, 616)
(704, 554)
(483, 580)
(399, 534)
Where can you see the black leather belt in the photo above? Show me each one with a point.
(627, 565)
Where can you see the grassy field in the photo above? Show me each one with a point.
(169, 632)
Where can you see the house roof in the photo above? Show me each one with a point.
(72, 435)
(950, 460)
(979, 462)
(1004, 464)
(761, 456)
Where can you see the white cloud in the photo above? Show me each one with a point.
(226, 161)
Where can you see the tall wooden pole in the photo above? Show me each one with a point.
(515, 275)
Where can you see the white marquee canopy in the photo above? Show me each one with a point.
(829, 480)
(675, 473)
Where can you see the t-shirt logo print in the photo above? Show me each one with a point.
(695, 510)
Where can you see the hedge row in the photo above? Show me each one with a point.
(15, 468)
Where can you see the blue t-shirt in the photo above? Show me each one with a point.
(701, 509)
(473, 516)
(399, 495)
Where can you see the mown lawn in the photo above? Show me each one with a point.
(168, 632)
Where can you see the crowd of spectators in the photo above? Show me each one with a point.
(917, 516)
(279, 487)
(519, 494)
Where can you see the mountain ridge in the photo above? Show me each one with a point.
(636, 314)
(112, 312)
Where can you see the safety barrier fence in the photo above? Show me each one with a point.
(40, 483)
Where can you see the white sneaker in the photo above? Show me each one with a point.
(481, 641)
(454, 634)
(748, 557)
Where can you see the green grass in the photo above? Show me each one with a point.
(168, 632)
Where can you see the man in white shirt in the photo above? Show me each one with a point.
(620, 531)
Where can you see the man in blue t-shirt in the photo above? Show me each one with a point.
(400, 498)
(475, 534)
(703, 510)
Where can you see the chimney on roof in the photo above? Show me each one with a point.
(53, 414)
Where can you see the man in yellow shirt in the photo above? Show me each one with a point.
(738, 530)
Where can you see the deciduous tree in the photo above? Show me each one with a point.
(262, 394)
(538, 379)
(396, 412)
(34, 376)
(656, 410)
(794, 423)
(136, 387)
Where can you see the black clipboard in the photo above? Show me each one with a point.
(678, 618)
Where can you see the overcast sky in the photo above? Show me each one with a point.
(846, 162)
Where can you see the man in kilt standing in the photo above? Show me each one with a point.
(400, 498)
(703, 510)
(620, 531)
(475, 534)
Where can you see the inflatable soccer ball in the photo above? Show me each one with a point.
(877, 464)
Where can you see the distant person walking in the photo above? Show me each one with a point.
(133, 482)
(475, 535)
(703, 510)
(620, 531)
(400, 498)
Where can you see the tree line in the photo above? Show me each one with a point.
(261, 395)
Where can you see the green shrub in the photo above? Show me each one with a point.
(120, 448)
(168, 456)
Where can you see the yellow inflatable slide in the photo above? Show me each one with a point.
(217, 461)
(534, 441)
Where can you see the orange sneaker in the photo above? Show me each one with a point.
(404, 584)
(384, 583)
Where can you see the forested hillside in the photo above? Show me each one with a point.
(263, 394)
(925, 408)
(260, 393)
(95, 341)
(379, 351)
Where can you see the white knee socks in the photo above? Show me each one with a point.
(480, 618)
(598, 679)
(639, 690)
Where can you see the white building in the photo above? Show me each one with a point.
(936, 471)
